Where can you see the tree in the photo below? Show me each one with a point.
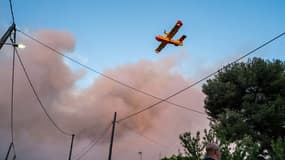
(194, 147)
(245, 103)
(248, 100)
(278, 147)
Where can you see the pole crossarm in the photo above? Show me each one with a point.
(7, 34)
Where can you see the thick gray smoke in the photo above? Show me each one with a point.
(87, 112)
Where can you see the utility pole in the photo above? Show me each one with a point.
(6, 35)
(140, 155)
(71, 145)
(112, 136)
(3, 40)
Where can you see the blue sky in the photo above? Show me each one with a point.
(111, 33)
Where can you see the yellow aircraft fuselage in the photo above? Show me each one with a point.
(169, 40)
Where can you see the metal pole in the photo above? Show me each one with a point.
(112, 136)
(7, 35)
(7, 155)
(71, 145)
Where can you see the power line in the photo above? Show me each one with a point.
(108, 77)
(13, 40)
(151, 140)
(12, 12)
(199, 81)
(38, 98)
(92, 143)
(140, 134)
(145, 93)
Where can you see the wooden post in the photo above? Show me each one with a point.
(71, 145)
(112, 136)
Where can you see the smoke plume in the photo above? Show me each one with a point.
(87, 112)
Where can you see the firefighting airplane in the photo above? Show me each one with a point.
(168, 38)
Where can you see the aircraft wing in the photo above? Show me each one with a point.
(160, 47)
(174, 30)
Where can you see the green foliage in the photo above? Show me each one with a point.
(194, 147)
(178, 157)
(245, 149)
(248, 100)
(278, 147)
(246, 106)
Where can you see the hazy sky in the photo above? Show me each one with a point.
(111, 33)
(117, 38)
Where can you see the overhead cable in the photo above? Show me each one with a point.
(106, 76)
(93, 143)
(199, 81)
(39, 100)
(12, 11)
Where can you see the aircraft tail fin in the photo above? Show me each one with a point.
(181, 39)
